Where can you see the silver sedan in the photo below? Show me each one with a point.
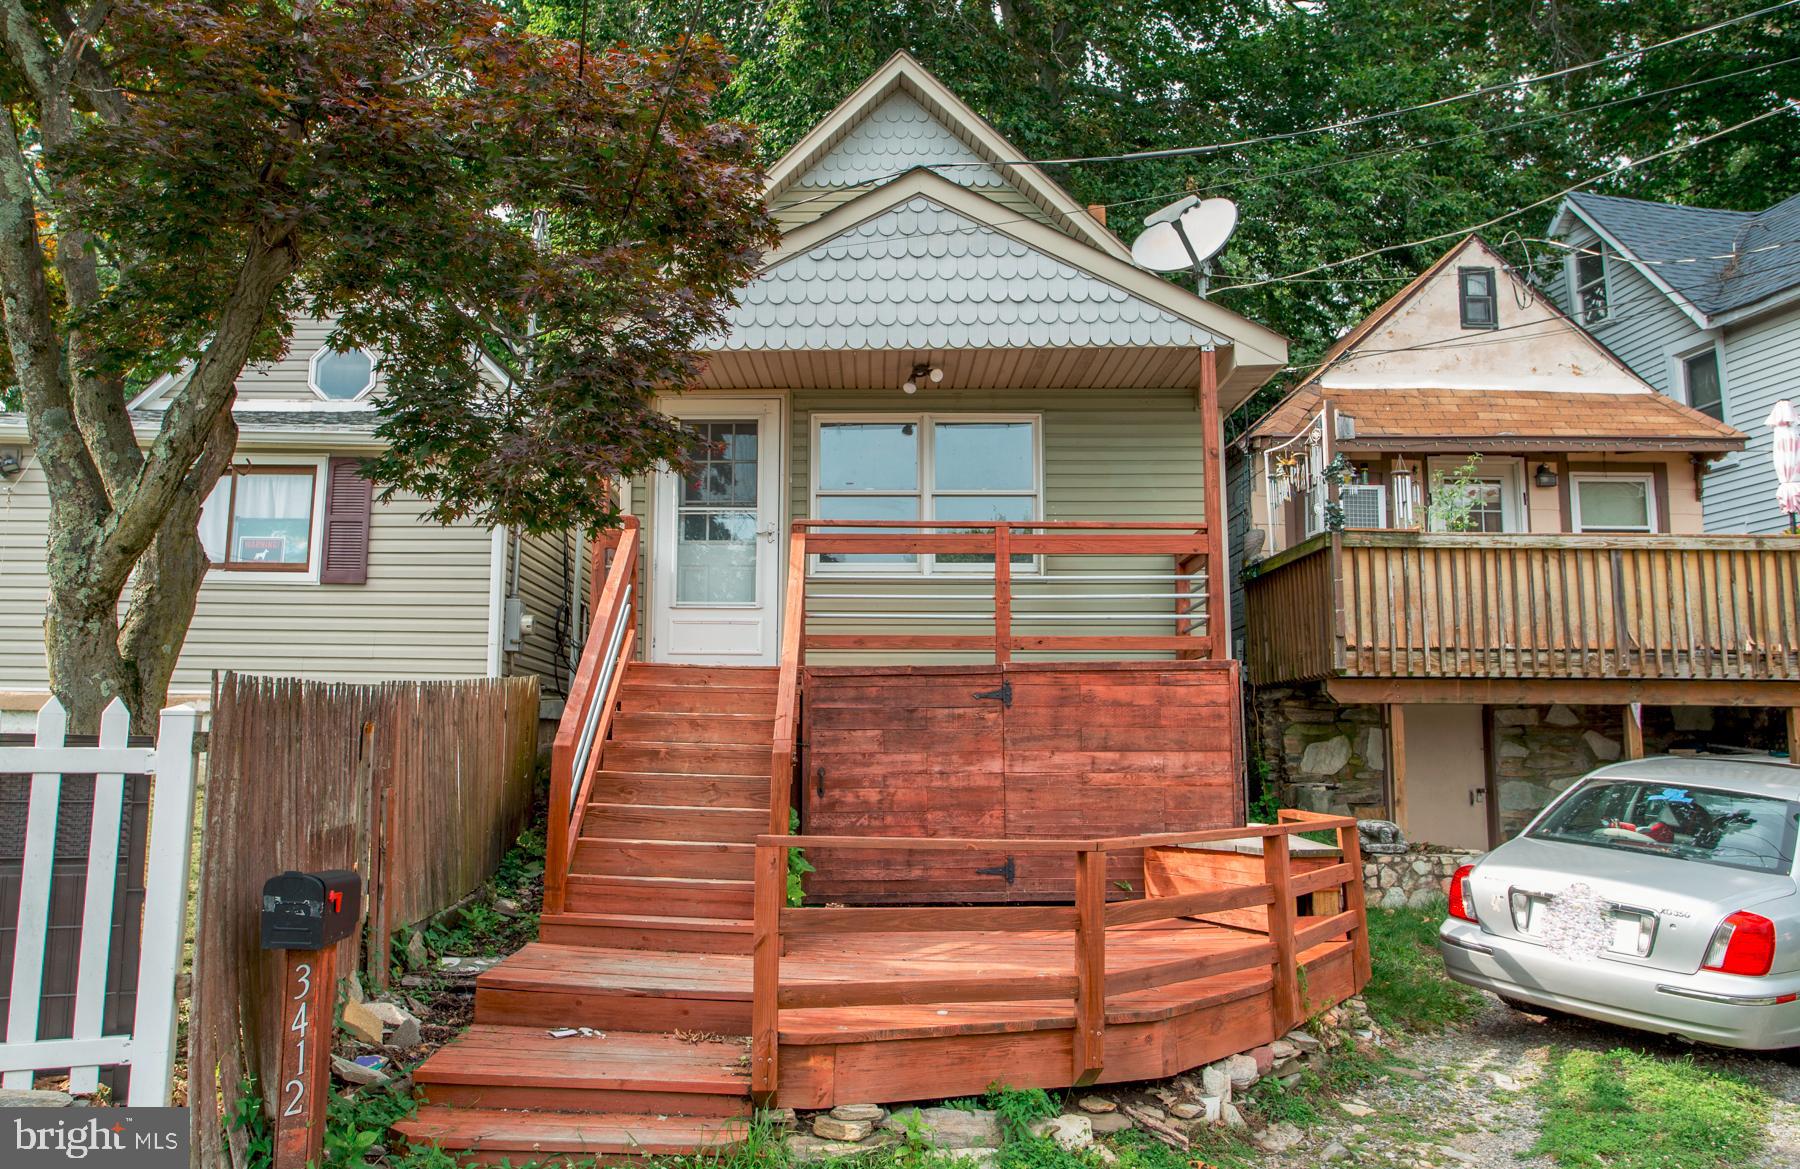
(1657, 894)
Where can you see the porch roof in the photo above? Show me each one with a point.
(1515, 420)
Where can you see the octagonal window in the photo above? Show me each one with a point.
(341, 377)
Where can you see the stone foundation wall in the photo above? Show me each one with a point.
(1321, 756)
(1415, 879)
(1540, 750)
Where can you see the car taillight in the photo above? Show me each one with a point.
(1744, 943)
(1462, 894)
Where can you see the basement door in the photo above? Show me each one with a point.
(1044, 750)
(713, 578)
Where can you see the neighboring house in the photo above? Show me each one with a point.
(1705, 306)
(1456, 680)
(311, 576)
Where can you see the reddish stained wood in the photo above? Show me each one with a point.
(1323, 929)
(765, 964)
(1329, 877)
(1356, 904)
(1212, 484)
(787, 694)
(1289, 1010)
(800, 922)
(1090, 966)
(1206, 901)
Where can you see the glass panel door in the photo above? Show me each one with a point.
(716, 518)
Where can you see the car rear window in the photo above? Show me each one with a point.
(1689, 823)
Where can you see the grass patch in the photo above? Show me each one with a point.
(1628, 1110)
(1407, 988)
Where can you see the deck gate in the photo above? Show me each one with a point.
(57, 767)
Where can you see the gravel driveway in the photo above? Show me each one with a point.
(1472, 1105)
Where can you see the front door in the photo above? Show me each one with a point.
(713, 582)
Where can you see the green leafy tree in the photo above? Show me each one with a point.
(180, 176)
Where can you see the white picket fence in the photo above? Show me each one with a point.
(150, 1048)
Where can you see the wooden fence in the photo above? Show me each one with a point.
(419, 786)
(128, 906)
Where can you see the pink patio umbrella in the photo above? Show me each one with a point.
(1786, 425)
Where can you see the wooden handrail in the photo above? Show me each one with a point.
(787, 690)
(592, 696)
(1279, 948)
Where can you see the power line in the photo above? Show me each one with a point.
(1481, 132)
(1565, 192)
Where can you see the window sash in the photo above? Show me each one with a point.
(1647, 484)
(926, 495)
(1480, 310)
(229, 503)
(1590, 287)
(1705, 393)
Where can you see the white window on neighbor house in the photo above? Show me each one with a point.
(1587, 276)
(1701, 386)
(263, 519)
(341, 377)
(981, 468)
(1613, 502)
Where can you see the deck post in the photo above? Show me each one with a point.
(1002, 594)
(1356, 900)
(1793, 734)
(770, 893)
(1285, 1006)
(1396, 752)
(1212, 445)
(1090, 965)
(1634, 730)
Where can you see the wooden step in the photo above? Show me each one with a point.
(627, 1071)
(695, 728)
(665, 822)
(640, 931)
(680, 896)
(693, 791)
(546, 985)
(682, 759)
(736, 677)
(493, 1136)
(603, 856)
(652, 699)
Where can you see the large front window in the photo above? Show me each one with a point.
(974, 468)
(260, 519)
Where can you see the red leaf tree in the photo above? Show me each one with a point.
(532, 238)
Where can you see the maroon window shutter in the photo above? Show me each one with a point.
(348, 500)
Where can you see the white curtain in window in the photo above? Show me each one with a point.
(274, 497)
(215, 518)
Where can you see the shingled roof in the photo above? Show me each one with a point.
(1717, 260)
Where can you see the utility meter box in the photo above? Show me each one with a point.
(309, 911)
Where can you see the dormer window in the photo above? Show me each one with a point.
(342, 377)
(1480, 305)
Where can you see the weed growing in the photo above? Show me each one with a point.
(1629, 1110)
(1408, 989)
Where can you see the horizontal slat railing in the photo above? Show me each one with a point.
(593, 695)
(1515, 606)
(1047, 588)
(1086, 982)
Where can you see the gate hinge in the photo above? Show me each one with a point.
(1006, 871)
(1004, 694)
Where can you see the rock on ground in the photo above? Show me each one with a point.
(949, 1128)
(1070, 1132)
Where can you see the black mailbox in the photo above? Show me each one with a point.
(309, 911)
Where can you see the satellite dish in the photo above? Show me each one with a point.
(1186, 234)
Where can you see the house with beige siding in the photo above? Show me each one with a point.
(311, 576)
(1478, 565)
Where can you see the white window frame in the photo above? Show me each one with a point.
(312, 374)
(1680, 355)
(1648, 479)
(1381, 496)
(1515, 515)
(924, 421)
(321, 473)
(1573, 275)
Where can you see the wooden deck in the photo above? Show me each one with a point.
(666, 926)
(1409, 616)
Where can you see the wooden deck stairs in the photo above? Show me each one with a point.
(660, 871)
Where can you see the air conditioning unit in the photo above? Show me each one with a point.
(1364, 504)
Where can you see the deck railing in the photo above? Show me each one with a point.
(593, 696)
(1385, 604)
(1088, 920)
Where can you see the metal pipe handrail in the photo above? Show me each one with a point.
(590, 726)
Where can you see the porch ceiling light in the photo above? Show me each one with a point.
(1545, 477)
(922, 373)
